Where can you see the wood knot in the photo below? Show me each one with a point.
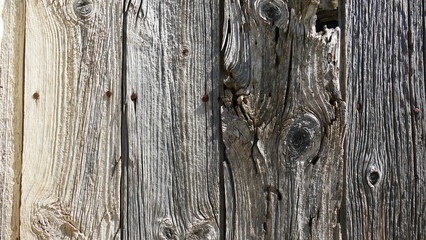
(299, 138)
(83, 8)
(373, 178)
(302, 137)
(274, 12)
(204, 230)
(270, 11)
(184, 52)
(52, 221)
(167, 230)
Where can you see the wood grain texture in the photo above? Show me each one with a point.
(283, 122)
(70, 183)
(171, 173)
(386, 170)
(12, 27)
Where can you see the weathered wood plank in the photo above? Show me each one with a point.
(173, 77)
(385, 184)
(70, 183)
(283, 122)
(12, 25)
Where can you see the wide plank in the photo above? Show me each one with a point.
(283, 122)
(385, 152)
(171, 171)
(72, 118)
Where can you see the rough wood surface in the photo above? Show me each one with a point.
(12, 23)
(385, 170)
(71, 173)
(171, 173)
(283, 122)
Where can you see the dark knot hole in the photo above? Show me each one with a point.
(374, 177)
(299, 139)
(271, 12)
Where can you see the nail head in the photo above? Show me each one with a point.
(205, 98)
(36, 96)
(108, 94)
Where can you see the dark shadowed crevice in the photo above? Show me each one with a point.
(124, 128)
(342, 211)
(17, 188)
(222, 154)
(327, 16)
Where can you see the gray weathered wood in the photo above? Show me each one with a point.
(171, 168)
(386, 170)
(283, 122)
(71, 148)
(12, 18)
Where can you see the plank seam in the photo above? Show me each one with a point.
(18, 196)
(124, 130)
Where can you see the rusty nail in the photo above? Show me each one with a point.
(36, 96)
(205, 98)
(416, 110)
(108, 93)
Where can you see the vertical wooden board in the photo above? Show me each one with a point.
(71, 173)
(417, 53)
(385, 184)
(283, 122)
(171, 173)
(12, 25)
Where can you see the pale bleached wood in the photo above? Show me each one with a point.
(386, 157)
(171, 173)
(71, 173)
(12, 17)
(283, 122)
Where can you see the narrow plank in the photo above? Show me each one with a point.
(12, 25)
(283, 122)
(385, 184)
(171, 173)
(71, 181)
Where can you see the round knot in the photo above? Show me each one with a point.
(298, 139)
(83, 8)
(269, 11)
(302, 136)
(273, 12)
